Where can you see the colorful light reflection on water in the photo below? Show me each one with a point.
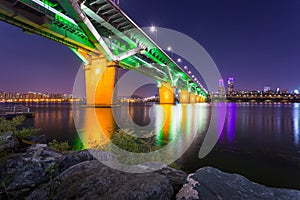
(259, 140)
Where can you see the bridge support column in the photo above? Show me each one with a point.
(198, 98)
(100, 77)
(166, 93)
(184, 96)
(192, 98)
(202, 99)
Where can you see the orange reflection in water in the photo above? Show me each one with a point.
(176, 124)
(166, 126)
(98, 127)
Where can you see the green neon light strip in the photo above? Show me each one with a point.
(146, 53)
(144, 62)
(48, 3)
(54, 11)
(151, 66)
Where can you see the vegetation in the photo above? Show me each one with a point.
(60, 146)
(10, 125)
(14, 126)
(130, 142)
(52, 171)
(174, 165)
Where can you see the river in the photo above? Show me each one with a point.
(258, 140)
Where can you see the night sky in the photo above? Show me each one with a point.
(257, 42)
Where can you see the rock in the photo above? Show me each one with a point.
(74, 158)
(40, 139)
(8, 142)
(211, 183)
(94, 180)
(24, 172)
(44, 173)
(176, 178)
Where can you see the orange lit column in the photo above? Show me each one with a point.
(202, 99)
(198, 98)
(166, 93)
(184, 96)
(192, 98)
(100, 77)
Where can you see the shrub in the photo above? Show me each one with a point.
(14, 124)
(60, 146)
(10, 125)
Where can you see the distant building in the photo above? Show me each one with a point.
(284, 91)
(221, 89)
(230, 85)
(267, 88)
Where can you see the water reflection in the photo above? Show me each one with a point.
(296, 123)
(98, 127)
(175, 126)
(231, 111)
(55, 120)
(140, 114)
(266, 137)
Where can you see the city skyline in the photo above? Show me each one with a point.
(255, 42)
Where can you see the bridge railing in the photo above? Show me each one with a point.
(15, 109)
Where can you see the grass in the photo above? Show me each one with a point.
(60, 146)
(132, 143)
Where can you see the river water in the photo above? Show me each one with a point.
(258, 140)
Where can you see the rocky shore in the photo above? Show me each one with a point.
(40, 172)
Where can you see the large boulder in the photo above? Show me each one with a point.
(8, 142)
(44, 173)
(211, 183)
(94, 180)
(24, 172)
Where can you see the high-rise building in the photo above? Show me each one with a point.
(221, 89)
(230, 85)
(267, 88)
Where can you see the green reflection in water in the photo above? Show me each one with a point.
(178, 124)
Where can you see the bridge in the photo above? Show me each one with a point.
(105, 39)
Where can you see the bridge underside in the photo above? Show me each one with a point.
(105, 39)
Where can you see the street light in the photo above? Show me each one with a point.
(185, 67)
(179, 60)
(170, 50)
(153, 29)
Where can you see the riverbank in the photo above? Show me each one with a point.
(40, 172)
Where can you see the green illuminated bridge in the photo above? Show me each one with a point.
(105, 38)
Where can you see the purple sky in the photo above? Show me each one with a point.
(257, 42)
